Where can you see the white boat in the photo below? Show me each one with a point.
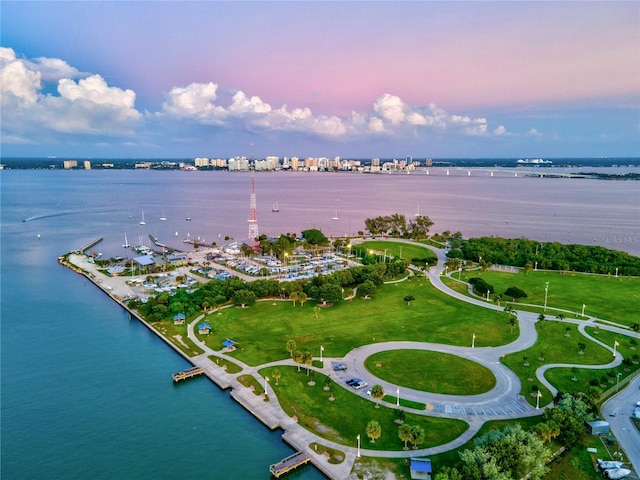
(142, 222)
(126, 242)
(616, 473)
(188, 219)
(607, 464)
(417, 214)
(336, 217)
(163, 218)
(275, 208)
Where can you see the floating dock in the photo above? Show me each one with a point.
(191, 372)
(287, 464)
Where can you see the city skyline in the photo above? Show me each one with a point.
(350, 79)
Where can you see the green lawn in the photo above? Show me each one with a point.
(553, 346)
(605, 297)
(433, 372)
(262, 330)
(563, 378)
(395, 249)
(346, 417)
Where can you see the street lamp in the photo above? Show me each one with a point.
(487, 295)
(583, 305)
(538, 399)
(358, 446)
(546, 292)
(473, 341)
(266, 380)
(618, 381)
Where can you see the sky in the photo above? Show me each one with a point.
(356, 79)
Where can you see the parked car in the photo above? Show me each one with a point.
(339, 367)
(353, 381)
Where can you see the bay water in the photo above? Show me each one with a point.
(87, 393)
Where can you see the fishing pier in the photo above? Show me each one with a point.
(185, 374)
(287, 464)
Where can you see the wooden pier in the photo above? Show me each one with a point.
(287, 464)
(191, 372)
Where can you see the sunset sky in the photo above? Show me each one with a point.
(168, 79)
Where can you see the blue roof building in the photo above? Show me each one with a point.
(421, 468)
(204, 328)
(179, 319)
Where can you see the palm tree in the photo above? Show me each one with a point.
(291, 347)
(307, 359)
(298, 357)
(374, 430)
(377, 393)
(405, 433)
(293, 296)
(276, 374)
(417, 436)
(302, 297)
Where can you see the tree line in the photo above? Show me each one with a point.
(529, 254)
(396, 225)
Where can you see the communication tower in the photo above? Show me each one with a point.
(252, 239)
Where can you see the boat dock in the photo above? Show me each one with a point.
(287, 464)
(90, 244)
(191, 372)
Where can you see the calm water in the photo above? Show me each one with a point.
(87, 393)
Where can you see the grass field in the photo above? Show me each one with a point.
(616, 299)
(262, 330)
(346, 417)
(433, 372)
(553, 346)
(395, 249)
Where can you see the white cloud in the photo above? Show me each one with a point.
(17, 79)
(89, 106)
(533, 133)
(86, 104)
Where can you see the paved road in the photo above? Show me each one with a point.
(618, 411)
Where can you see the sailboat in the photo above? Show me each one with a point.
(336, 217)
(417, 214)
(188, 219)
(142, 222)
(275, 208)
(126, 242)
(163, 218)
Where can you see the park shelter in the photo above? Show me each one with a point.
(421, 468)
(598, 427)
(179, 319)
(229, 343)
(204, 328)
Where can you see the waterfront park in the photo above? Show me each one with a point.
(287, 348)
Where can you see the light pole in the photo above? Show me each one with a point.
(321, 350)
(473, 341)
(546, 292)
(618, 381)
(538, 399)
(266, 380)
(398, 397)
(358, 455)
(487, 295)
(583, 305)
(615, 344)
